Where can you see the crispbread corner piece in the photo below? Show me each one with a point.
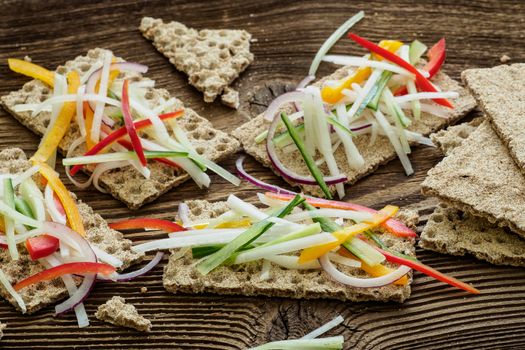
(500, 93)
(449, 139)
(212, 59)
(117, 312)
(181, 276)
(98, 233)
(127, 184)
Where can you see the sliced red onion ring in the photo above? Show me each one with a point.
(361, 127)
(137, 273)
(289, 174)
(261, 184)
(274, 107)
(305, 81)
(340, 277)
(125, 66)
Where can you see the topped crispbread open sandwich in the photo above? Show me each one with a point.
(138, 141)
(46, 234)
(347, 124)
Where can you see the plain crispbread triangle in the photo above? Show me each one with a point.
(481, 178)
(212, 59)
(500, 93)
(181, 276)
(127, 184)
(380, 153)
(116, 311)
(451, 231)
(14, 161)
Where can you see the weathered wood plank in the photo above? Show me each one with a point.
(288, 35)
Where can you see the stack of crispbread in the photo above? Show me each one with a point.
(481, 181)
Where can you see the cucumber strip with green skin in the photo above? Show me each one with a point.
(310, 163)
(381, 84)
(23, 207)
(337, 124)
(112, 95)
(9, 200)
(415, 51)
(284, 139)
(244, 239)
(364, 251)
(201, 252)
(394, 108)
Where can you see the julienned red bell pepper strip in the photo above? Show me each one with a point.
(147, 223)
(130, 126)
(77, 268)
(119, 133)
(41, 246)
(421, 81)
(429, 271)
(391, 225)
(436, 57)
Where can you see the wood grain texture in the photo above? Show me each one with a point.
(288, 35)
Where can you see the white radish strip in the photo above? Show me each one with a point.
(25, 175)
(17, 217)
(102, 92)
(183, 214)
(332, 39)
(343, 260)
(60, 99)
(285, 247)
(32, 194)
(181, 242)
(310, 130)
(10, 235)
(324, 328)
(426, 96)
(134, 162)
(206, 232)
(107, 258)
(251, 211)
(363, 62)
(165, 106)
(30, 107)
(265, 270)
(374, 77)
(387, 129)
(51, 206)
(65, 252)
(362, 282)
(7, 285)
(80, 311)
(271, 202)
(79, 115)
(292, 262)
(353, 156)
(90, 71)
(329, 343)
(60, 88)
(70, 151)
(331, 213)
(433, 109)
(414, 136)
(102, 168)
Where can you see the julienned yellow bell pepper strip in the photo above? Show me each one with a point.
(32, 70)
(88, 120)
(235, 223)
(347, 233)
(374, 271)
(70, 207)
(333, 94)
(61, 125)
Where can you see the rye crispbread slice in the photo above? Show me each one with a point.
(480, 178)
(181, 276)
(212, 59)
(116, 311)
(500, 93)
(380, 153)
(451, 231)
(37, 296)
(127, 184)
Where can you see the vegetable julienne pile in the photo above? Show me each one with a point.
(383, 93)
(296, 233)
(117, 126)
(49, 224)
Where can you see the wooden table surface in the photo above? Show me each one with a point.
(288, 35)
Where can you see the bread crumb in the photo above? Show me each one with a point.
(143, 290)
(504, 59)
(230, 98)
(2, 327)
(27, 58)
(117, 312)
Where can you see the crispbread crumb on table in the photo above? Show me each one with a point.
(2, 327)
(212, 59)
(230, 98)
(117, 312)
(143, 290)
